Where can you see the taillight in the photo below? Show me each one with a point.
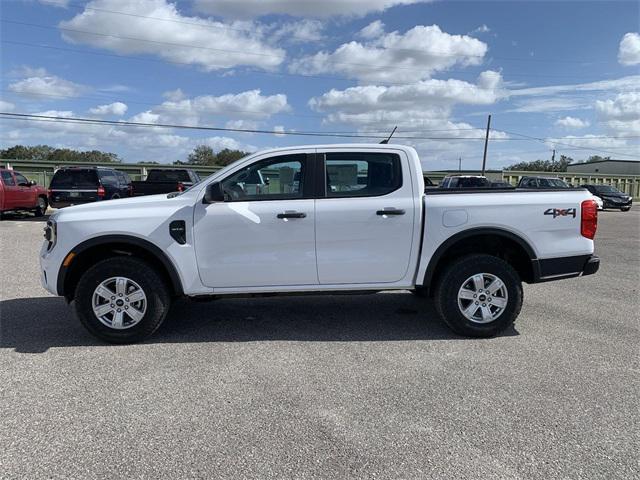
(131, 190)
(180, 187)
(589, 219)
(49, 192)
(101, 191)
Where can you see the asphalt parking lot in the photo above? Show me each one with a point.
(326, 387)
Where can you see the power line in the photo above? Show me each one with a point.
(34, 117)
(580, 147)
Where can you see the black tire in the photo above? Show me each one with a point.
(455, 276)
(41, 209)
(625, 209)
(158, 299)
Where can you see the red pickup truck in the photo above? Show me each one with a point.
(18, 193)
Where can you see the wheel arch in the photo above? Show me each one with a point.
(95, 249)
(490, 240)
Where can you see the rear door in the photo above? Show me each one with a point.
(365, 222)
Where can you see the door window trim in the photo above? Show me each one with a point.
(322, 189)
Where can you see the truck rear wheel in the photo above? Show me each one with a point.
(479, 295)
(121, 300)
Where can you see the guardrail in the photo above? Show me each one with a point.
(42, 171)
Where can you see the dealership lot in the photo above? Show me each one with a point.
(326, 386)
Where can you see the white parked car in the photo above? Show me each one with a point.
(327, 218)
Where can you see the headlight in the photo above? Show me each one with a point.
(50, 234)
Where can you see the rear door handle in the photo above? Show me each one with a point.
(391, 211)
(292, 215)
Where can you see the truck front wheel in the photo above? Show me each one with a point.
(479, 295)
(121, 300)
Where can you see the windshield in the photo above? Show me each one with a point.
(606, 189)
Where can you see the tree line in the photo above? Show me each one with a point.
(551, 165)
(201, 155)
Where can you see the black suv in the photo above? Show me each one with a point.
(76, 185)
(611, 196)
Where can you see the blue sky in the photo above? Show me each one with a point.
(567, 73)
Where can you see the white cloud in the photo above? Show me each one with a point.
(279, 129)
(115, 108)
(629, 51)
(55, 3)
(589, 141)
(572, 122)
(297, 8)
(41, 84)
(296, 32)
(220, 143)
(622, 84)
(481, 29)
(6, 106)
(209, 44)
(622, 114)
(373, 30)
(145, 117)
(250, 105)
(410, 56)
(174, 95)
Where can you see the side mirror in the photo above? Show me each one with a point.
(32, 183)
(213, 193)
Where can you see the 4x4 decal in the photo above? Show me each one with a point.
(561, 212)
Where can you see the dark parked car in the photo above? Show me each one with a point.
(542, 182)
(76, 185)
(611, 196)
(165, 180)
(465, 181)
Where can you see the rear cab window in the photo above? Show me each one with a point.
(75, 178)
(168, 176)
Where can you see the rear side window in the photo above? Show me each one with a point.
(7, 178)
(108, 177)
(78, 178)
(168, 176)
(357, 174)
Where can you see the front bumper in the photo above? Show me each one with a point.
(611, 203)
(548, 269)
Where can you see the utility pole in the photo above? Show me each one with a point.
(553, 156)
(459, 164)
(486, 142)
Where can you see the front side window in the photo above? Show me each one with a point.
(7, 178)
(355, 174)
(21, 179)
(276, 178)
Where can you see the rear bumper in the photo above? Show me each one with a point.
(548, 269)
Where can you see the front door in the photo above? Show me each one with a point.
(365, 224)
(11, 190)
(263, 233)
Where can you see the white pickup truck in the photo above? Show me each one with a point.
(322, 219)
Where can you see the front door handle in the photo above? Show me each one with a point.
(290, 214)
(391, 211)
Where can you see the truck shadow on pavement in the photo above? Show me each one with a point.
(33, 325)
